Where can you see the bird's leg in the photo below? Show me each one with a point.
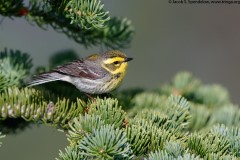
(92, 99)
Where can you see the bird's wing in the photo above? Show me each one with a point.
(80, 69)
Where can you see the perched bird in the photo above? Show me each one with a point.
(95, 74)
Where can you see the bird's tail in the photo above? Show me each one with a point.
(44, 78)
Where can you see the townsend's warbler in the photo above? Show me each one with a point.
(95, 74)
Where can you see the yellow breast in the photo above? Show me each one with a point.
(116, 77)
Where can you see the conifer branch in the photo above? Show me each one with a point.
(163, 154)
(103, 121)
(71, 153)
(31, 105)
(109, 111)
(85, 21)
(206, 144)
(87, 14)
(82, 125)
(14, 67)
(11, 8)
(106, 143)
(232, 134)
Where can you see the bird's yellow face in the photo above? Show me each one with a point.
(115, 62)
(116, 65)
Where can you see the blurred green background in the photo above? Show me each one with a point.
(200, 38)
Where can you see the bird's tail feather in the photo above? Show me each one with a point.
(44, 78)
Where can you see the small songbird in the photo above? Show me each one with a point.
(95, 74)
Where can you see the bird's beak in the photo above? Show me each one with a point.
(128, 59)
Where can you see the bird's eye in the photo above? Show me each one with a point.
(116, 62)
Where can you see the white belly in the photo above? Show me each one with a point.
(87, 85)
